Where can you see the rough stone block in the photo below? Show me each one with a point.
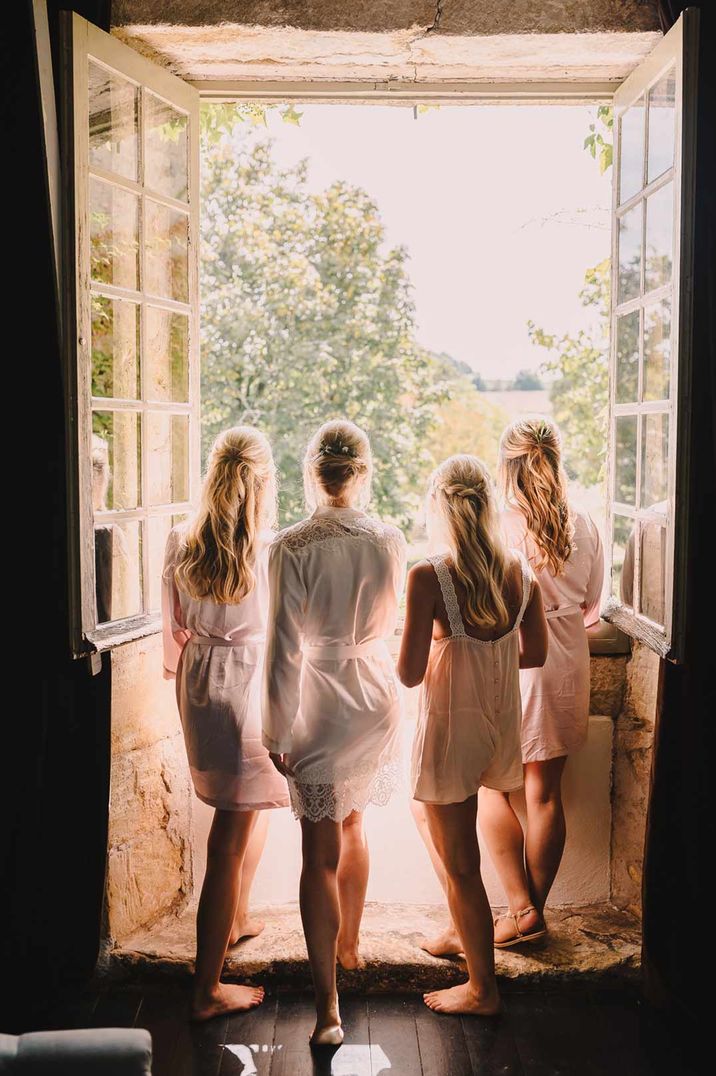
(144, 708)
(608, 680)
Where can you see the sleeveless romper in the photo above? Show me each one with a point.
(470, 713)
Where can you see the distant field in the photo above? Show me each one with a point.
(519, 402)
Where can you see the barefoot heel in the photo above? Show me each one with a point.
(519, 938)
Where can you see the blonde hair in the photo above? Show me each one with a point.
(337, 455)
(530, 474)
(238, 499)
(462, 490)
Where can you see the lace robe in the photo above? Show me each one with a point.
(331, 695)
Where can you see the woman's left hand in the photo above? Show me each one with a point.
(281, 764)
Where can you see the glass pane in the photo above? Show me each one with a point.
(623, 559)
(114, 235)
(116, 460)
(167, 439)
(113, 122)
(625, 460)
(662, 98)
(627, 376)
(118, 570)
(654, 461)
(631, 158)
(652, 571)
(630, 254)
(157, 529)
(115, 348)
(166, 355)
(657, 350)
(165, 148)
(659, 237)
(166, 246)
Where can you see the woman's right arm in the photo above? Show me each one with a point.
(282, 674)
(418, 628)
(534, 640)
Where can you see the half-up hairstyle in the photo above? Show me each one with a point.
(462, 490)
(531, 476)
(338, 455)
(238, 499)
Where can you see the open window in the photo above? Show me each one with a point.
(650, 369)
(131, 167)
(130, 269)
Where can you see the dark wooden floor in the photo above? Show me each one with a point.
(542, 1032)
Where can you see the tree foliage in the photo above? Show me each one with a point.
(580, 364)
(307, 315)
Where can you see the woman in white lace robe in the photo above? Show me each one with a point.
(331, 701)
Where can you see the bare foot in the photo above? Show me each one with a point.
(529, 923)
(349, 957)
(463, 999)
(446, 943)
(328, 1030)
(246, 928)
(328, 1035)
(226, 998)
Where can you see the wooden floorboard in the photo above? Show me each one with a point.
(491, 1045)
(294, 1023)
(441, 1042)
(250, 1040)
(542, 1032)
(117, 1007)
(393, 1036)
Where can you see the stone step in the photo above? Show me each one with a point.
(591, 943)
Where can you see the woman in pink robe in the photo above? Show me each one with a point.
(563, 547)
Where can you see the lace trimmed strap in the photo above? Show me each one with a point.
(447, 589)
(527, 578)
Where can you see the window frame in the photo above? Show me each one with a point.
(81, 42)
(678, 49)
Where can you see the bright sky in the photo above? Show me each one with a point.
(500, 207)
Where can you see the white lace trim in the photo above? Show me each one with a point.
(325, 529)
(337, 798)
(452, 606)
(447, 589)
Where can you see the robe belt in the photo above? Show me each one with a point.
(254, 651)
(562, 610)
(372, 648)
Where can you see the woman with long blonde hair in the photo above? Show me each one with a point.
(214, 606)
(474, 617)
(331, 707)
(564, 549)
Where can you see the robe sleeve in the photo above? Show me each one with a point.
(284, 658)
(593, 597)
(174, 633)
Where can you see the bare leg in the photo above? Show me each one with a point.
(320, 913)
(502, 831)
(453, 829)
(244, 925)
(447, 942)
(228, 839)
(353, 869)
(546, 826)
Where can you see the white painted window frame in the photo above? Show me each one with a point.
(82, 41)
(678, 49)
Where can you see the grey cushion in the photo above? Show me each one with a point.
(116, 1051)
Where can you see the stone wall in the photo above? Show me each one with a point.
(149, 857)
(633, 742)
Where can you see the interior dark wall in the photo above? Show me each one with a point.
(678, 889)
(55, 730)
